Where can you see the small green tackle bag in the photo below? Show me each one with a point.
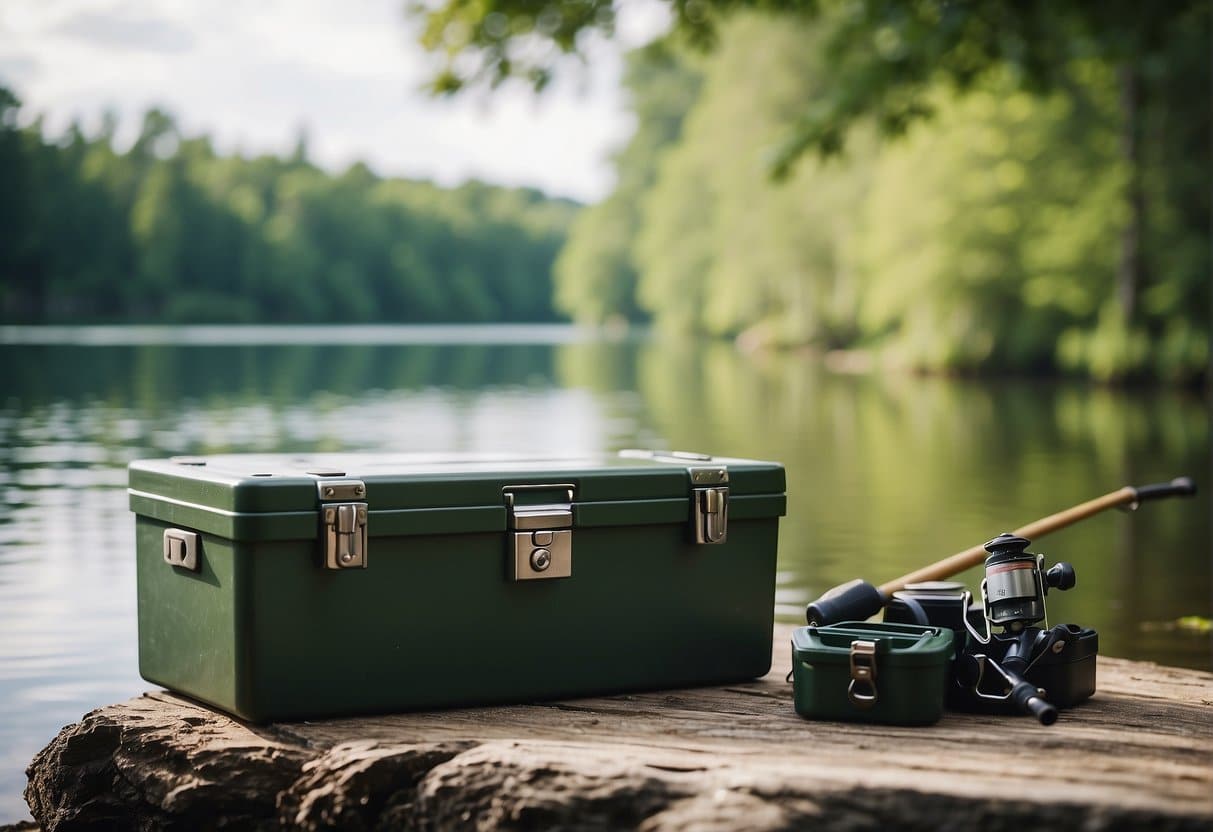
(871, 672)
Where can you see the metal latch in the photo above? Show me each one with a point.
(343, 515)
(709, 504)
(542, 539)
(181, 549)
(862, 690)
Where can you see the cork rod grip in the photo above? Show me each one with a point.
(974, 555)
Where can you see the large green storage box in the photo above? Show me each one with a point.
(282, 587)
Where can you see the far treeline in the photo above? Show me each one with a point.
(171, 232)
(952, 185)
(956, 185)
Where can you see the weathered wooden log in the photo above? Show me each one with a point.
(736, 757)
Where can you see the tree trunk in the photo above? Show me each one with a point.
(1129, 273)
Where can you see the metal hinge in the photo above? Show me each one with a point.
(709, 504)
(343, 516)
(542, 539)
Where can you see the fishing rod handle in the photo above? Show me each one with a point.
(1178, 487)
(957, 563)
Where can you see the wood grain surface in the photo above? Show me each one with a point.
(1138, 755)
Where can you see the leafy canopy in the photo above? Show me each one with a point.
(885, 55)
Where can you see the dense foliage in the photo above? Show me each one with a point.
(169, 231)
(1042, 220)
(594, 275)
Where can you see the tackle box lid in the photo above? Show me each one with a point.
(275, 496)
(898, 645)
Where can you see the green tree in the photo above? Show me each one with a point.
(774, 262)
(595, 274)
(19, 294)
(991, 233)
(886, 56)
(172, 231)
(895, 63)
(159, 231)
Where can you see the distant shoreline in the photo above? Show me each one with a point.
(256, 334)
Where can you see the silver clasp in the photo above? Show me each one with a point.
(709, 504)
(343, 523)
(862, 690)
(542, 545)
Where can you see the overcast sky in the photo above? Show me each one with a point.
(253, 73)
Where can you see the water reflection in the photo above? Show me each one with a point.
(889, 473)
(884, 474)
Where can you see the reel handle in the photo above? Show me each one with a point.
(1028, 699)
(1045, 713)
(1060, 576)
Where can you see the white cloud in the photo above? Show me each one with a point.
(126, 29)
(253, 74)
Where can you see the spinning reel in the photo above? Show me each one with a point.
(1022, 667)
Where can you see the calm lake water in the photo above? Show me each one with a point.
(885, 474)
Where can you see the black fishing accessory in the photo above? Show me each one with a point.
(1021, 667)
(1013, 597)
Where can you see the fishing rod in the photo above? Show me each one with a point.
(858, 600)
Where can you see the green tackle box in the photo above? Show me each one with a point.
(280, 587)
(871, 672)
